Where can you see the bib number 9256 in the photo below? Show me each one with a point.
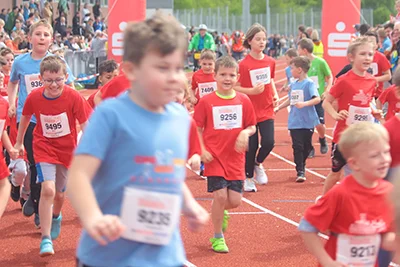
(228, 117)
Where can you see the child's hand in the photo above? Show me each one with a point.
(276, 109)
(194, 162)
(105, 229)
(341, 115)
(276, 100)
(242, 142)
(197, 216)
(300, 105)
(20, 148)
(11, 110)
(377, 113)
(258, 89)
(13, 153)
(206, 157)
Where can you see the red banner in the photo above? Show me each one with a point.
(120, 12)
(338, 18)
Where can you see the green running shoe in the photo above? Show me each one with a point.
(219, 245)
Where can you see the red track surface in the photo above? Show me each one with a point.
(256, 238)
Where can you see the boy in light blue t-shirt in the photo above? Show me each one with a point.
(303, 96)
(127, 179)
(289, 55)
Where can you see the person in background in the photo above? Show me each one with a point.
(318, 45)
(63, 8)
(384, 41)
(96, 9)
(98, 25)
(47, 13)
(3, 14)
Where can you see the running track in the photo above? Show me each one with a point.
(262, 231)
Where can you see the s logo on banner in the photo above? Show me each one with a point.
(117, 41)
(338, 42)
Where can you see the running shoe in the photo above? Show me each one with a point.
(29, 207)
(249, 185)
(219, 245)
(261, 176)
(324, 146)
(312, 153)
(56, 227)
(300, 177)
(46, 248)
(15, 192)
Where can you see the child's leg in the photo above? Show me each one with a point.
(234, 198)
(307, 141)
(298, 150)
(251, 154)
(220, 198)
(45, 206)
(338, 163)
(5, 188)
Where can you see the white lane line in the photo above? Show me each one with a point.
(189, 264)
(247, 213)
(293, 164)
(313, 169)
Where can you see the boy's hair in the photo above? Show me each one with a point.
(381, 33)
(253, 30)
(388, 25)
(364, 28)
(108, 66)
(53, 64)
(306, 44)
(292, 53)
(226, 62)
(161, 34)
(372, 34)
(5, 51)
(362, 133)
(42, 22)
(207, 54)
(356, 44)
(302, 28)
(301, 62)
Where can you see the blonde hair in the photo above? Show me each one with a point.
(2, 23)
(227, 62)
(362, 133)
(353, 47)
(207, 54)
(53, 64)
(161, 34)
(42, 22)
(314, 35)
(251, 32)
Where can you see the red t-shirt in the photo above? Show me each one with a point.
(223, 120)
(194, 143)
(203, 84)
(252, 72)
(3, 91)
(115, 87)
(390, 96)
(354, 94)
(379, 65)
(55, 134)
(352, 209)
(393, 127)
(4, 122)
(90, 99)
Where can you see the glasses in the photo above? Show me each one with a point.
(57, 81)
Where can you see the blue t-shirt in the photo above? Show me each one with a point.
(289, 76)
(26, 71)
(303, 118)
(386, 45)
(201, 43)
(138, 149)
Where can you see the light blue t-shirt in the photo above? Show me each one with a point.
(289, 76)
(386, 45)
(138, 149)
(26, 70)
(303, 118)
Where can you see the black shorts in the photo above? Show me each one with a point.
(215, 183)
(320, 112)
(338, 160)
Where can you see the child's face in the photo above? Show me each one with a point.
(301, 51)
(207, 65)
(10, 61)
(258, 42)
(41, 39)
(157, 79)
(372, 160)
(288, 59)
(53, 83)
(107, 76)
(296, 71)
(362, 57)
(226, 78)
(372, 40)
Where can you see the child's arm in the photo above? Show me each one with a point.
(284, 87)
(97, 98)
(328, 107)
(206, 156)
(275, 95)
(379, 104)
(23, 125)
(197, 216)
(312, 102)
(385, 77)
(242, 141)
(5, 139)
(102, 228)
(256, 90)
(83, 126)
(329, 83)
(12, 94)
(283, 105)
(389, 241)
(5, 188)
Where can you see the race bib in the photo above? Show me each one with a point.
(55, 126)
(374, 68)
(315, 81)
(149, 217)
(358, 250)
(260, 76)
(227, 117)
(296, 96)
(32, 82)
(207, 88)
(357, 114)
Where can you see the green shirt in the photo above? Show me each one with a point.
(318, 71)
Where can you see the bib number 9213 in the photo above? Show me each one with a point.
(363, 251)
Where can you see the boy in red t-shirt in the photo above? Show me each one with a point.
(4, 142)
(107, 71)
(114, 88)
(380, 65)
(353, 92)
(392, 97)
(356, 212)
(57, 107)
(225, 120)
(203, 81)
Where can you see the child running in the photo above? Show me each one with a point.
(256, 79)
(225, 120)
(131, 212)
(356, 212)
(24, 79)
(57, 108)
(203, 81)
(8, 56)
(353, 92)
(112, 89)
(321, 74)
(289, 55)
(303, 96)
